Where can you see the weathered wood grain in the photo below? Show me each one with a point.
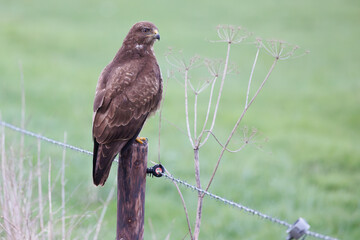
(131, 192)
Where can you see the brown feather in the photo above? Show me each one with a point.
(128, 90)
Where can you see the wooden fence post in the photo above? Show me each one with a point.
(131, 192)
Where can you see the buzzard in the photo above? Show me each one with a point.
(129, 89)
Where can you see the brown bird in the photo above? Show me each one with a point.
(129, 89)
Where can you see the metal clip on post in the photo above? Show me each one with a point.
(157, 170)
(298, 229)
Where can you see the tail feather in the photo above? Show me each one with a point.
(95, 153)
(104, 154)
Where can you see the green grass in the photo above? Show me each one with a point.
(309, 109)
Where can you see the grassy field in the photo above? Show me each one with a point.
(309, 109)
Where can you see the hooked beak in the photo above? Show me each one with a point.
(156, 34)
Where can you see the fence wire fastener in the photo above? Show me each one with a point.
(156, 171)
(298, 229)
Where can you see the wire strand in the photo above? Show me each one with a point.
(38, 136)
(244, 208)
(237, 205)
(170, 177)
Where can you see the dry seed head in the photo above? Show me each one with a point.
(280, 50)
(231, 34)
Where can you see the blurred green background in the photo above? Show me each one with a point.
(309, 109)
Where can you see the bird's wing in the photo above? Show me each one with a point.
(124, 94)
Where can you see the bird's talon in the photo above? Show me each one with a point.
(141, 140)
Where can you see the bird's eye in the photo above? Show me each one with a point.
(145, 30)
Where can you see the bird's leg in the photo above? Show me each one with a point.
(140, 140)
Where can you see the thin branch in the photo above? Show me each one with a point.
(208, 109)
(223, 146)
(41, 206)
(203, 86)
(187, 110)
(251, 76)
(200, 196)
(184, 205)
(268, 50)
(5, 198)
(263, 83)
(239, 120)
(28, 201)
(195, 116)
(106, 204)
(63, 190)
(219, 96)
(21, 198)
(22, 124)
(6, 229)
(190, 85)
(153, 235)
(174, 125)
(221, 85)
(13, 228)
(180, 64)
(50, 222)
(73, 224)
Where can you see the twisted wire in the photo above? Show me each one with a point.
(38, 136)
(244, 208)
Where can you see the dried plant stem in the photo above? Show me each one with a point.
(5, 196)
(239, 120)
(20, 191)
(63, 190)
(11, 199)
(50, 222)
(22, 124)
(184, 205)
(27, 201)
(223, 146)
(198, 143)
(200, 196)
(23, 214)
(106, 204)
(14, 232)
(251, 76)
(41, 205)
(219, 97)
(195, 117)
(263, 83)
(153, 235)
(208, 109)
(187, 109)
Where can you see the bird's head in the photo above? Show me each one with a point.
(143, 33)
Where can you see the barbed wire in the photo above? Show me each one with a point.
(38, 136)
(231, 203)
(244, 208)
(184, 183)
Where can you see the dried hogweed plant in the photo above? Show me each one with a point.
(218, 71)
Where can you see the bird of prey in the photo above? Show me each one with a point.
(129, 89)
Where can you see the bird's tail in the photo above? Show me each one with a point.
(103, 156)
